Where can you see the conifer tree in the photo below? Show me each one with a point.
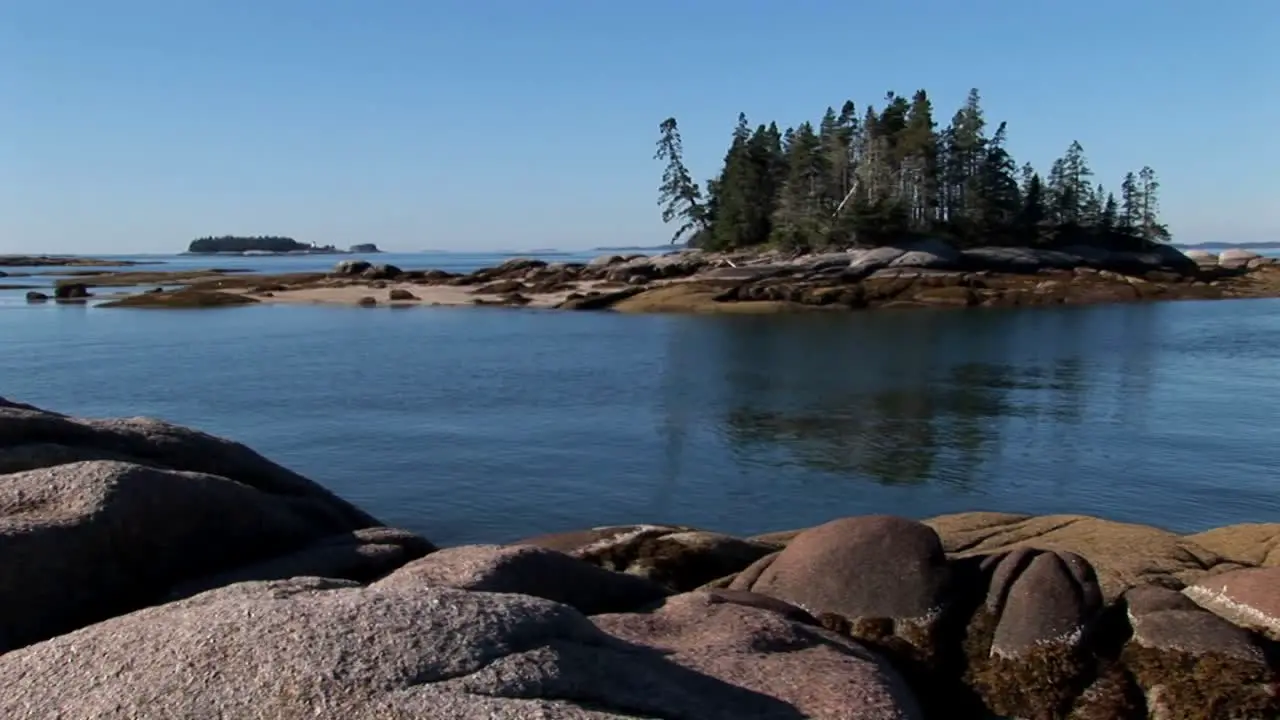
(887, 174)
(679, 195)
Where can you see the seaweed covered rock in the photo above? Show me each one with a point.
(875, 570)
(873, 566)
(1027, 642)
(1248, 597)
(818, 673)
(883, 580)
(1124, 555)
(678, 558)
(182, 299)
(1191, 664)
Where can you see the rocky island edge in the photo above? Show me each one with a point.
(154, 570)
(924, 273)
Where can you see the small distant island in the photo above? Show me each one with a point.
(1274, 244)
(268, 245)
(632, 248)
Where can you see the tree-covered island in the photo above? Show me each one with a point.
(258, 243)
(875, 176)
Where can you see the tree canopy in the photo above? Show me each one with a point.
(887, 174)
(237, 243)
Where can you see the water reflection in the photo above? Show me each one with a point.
(906, 399)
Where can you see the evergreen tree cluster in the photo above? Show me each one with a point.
(238, 243)
(890, 174)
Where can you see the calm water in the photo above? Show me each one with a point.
(475, 424)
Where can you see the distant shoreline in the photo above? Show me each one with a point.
(1230, 246)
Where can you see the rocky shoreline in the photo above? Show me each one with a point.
(156, 571)
(923, 274)
(64, 261)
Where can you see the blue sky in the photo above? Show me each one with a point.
(136, 125)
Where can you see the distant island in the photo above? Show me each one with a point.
(632, 248)
(269, 245)
(1274, 244)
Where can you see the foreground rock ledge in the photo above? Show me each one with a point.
(155, 571)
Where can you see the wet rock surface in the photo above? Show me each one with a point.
(156, 571)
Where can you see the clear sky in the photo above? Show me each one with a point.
(137, 125)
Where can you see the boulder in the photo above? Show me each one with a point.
(930, 253)
(1192, 664)
(680, 559)
(401, 295)
(528, 570)
(515, 266)
(1249, 597)
(1202, 257)
(367, 301)
(337, 650)
(71, 291)
(351, 267)
(873, 566)
(1026, 644)
(1236, 258)
(36, 297)
(381, 271)
(602, 261)
(873, 576)
(85, 541)
(864, 261)
(148, 441)
(100, 517)
(1124, 555)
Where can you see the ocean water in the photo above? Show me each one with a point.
(487, 425)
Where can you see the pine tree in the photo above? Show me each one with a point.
(997, 199)
(1130, 205)
(799, 221)
(739, 218)
(1110, 216)
(1034, 213)
(679, 195)
(966, 141)
(919, 145)
(1149, 202)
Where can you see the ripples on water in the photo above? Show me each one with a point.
(488, 425)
